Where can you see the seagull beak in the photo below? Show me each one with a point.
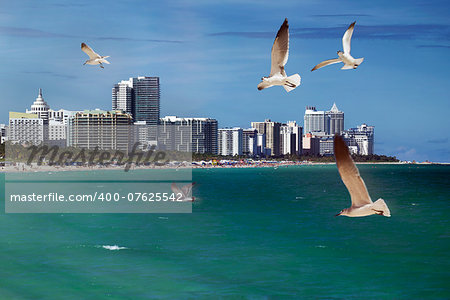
(337, 214)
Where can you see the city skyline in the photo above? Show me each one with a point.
(281, 138)
(401, 85)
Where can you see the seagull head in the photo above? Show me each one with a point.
(264, 78)
(342, 212)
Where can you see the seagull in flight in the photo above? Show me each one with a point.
(280, 54)
(362, 205)
(185, 191)
(345, 57)
(94, 58)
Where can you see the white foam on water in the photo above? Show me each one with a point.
(321, 246)
(113, 248)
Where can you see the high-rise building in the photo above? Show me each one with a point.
(315, 121)
(139, 96)
(291, 138)
(230, 141)
(107, 130)
(311, 145)
(326, 145)
(272, 133)
(249, 141)
(336, 118)
(146, 94)
(287, 140)
(26, 128)
(323, 123)
(57, 133)
(360, 139)
(197, 135)
(122, 96)
(261, 147)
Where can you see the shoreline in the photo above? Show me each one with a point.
(45, 168)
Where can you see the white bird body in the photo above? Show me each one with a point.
(343, 56)
(94, 58)
(289, 83)
(184, 194)
(362, 204)
(378, 207)
(279, 57)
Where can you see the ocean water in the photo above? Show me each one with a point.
(254, 233)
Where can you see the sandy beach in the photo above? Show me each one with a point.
(194, 165)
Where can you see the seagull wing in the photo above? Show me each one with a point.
(176, 190)
(187, 189)
(346, 39)
(326, 63)
(86, 49)
(280, 50)
(350, 174)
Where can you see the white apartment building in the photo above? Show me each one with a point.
(26, 128)
(291, 138)
(361, 139)
(230, 141)
(122, 96)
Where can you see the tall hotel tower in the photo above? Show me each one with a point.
(323, 122)
(336, 120)
(139, 96)
(316, 122)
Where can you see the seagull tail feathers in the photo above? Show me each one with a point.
(381, 205)
(292, 82)
(359, 61)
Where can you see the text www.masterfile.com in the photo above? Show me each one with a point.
(97, 196)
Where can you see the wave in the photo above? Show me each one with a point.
(113, 248)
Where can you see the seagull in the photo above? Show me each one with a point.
(185, 191)
(345, 57)
(94, 58)
(362, 205)
(280, 54)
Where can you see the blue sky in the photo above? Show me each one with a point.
(211, 55)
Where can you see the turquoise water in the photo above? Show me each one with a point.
(254, 233)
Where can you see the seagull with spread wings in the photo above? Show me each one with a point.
(94, 58)
(345, 57)
(185, 193)
(280, 54)
(362, 205)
